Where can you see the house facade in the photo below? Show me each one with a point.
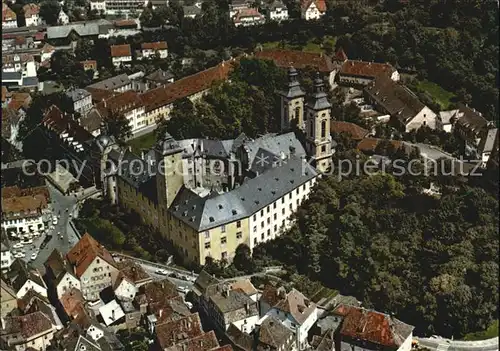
(149, 50)
(248, 17)
(121, 55)
(363, 73)
(127, 104)
(82, 101)
(312, 9)
(277, 11)
(21, 63)
(9, 18)
(32, 15)
(24, 214)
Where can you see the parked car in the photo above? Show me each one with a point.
(34, 255)
(27, 241)
(182, 289)
(161, 271)
(17, 246)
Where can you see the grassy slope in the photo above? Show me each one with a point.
(489, 333)
(441, 96)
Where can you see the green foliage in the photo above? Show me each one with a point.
(489, 333)
(118, 126)
(247, 104)
(430, 261)
(67, 70)
(49, 11)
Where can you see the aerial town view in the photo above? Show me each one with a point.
(250, 175)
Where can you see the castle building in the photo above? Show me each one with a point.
(209, 196)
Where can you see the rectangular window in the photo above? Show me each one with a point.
(290, 196)
(207, 245)
(268, 220)
(304, 187)
(274, 206)
(238, 224)
(275, 228)
(262, 213)
(290, 207)
(254, 217)
(297, 202)
(297, 191)
(268, 232)
(262, 236)
(207, 234)
(223, 229)
(283, 211)
(224, 255)
(268, 209)
(223, 240)
(282, 200)
(239, 235)
(255, 229)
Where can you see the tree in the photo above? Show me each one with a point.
(118, 126)
(243, 259)
(49, 11)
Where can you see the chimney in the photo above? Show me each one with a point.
(161, 312)
(113, 314)
(247, 307)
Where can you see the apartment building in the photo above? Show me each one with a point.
(127, 104)
(93, 266)
(115, 7)
(82, 100)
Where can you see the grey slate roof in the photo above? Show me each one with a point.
(82, 29)
(11, 75)
(254, 194)
(293, 89)
(488, 142)
(235, 300)
(112, 83)
(77, 94)
(319, 100)
(30, 81)
(160, 76)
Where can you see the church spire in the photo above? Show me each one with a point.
(292, 102)
(319, 100)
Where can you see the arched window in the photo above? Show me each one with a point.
(323, 128)
(311, 128)
(297, 113)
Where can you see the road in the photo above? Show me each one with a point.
(441, 344)
(64, 206)
(178, 282)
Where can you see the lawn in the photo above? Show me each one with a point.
(311, 46)
(489, 333)
(144, 142)
(441, 96)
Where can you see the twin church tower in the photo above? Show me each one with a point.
(312, 115)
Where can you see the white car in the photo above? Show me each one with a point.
(161, 271)
(188, 304)
(27, 242)
(17, 246)
(19, 255)
(34, 255)
(54, 220)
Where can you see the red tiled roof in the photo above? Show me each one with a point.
(372, 326)
(31, 10)
(89, 64)
(223, 348)
(15, 191)
(120, 50)
(247, 12)
(297, 59)
(174, 332)
(320, 4)
(125, 23)
(84, 253)
(159, 45)
(186, 87)
(28, 325)
(100, 94)
(366, 69)
(119, 104)
(7, 13)
(5, 93)
(370, 144)
(340, 55)
(26, 204)
(56, 121)
(354, 131)
(40, 36)
(132, 271)
(72, 301)
(203, 342)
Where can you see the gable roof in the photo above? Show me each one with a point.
(31, 10)
(320, 5)
(297, 305)
(133, 271)
(186, 86)
(366, 69)
(297, 59)
(340, 55)
(273, 333)
(112, 83)
(72, 302)
(27, 325)
(119, 104)
(121, 50)
(353, 130)
(205, 341)
(174, 332)
(395, 99)
(7, 13)
(372, 326)
(470, 118)
(159, 45)
(85, 251)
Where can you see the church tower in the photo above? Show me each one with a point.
(292, 103)
(319, 140)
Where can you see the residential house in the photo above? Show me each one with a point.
(92, 122)
(22, 278)
(178, 331)
(110, 7)
(6, 253)
(121, 55)
(60, 275)
(23, 63)
(269, 334)
(293, 309)
(127, 104)
(205, 341)
(192, 11)
(23, 212)
(159, 78)
(9, 18)
(93, 266)
(157, 49)
(8, 299)
(470, 124)
(98, 5)
(46, 53)
(33, 330)
(34, 302)
(237, 5)
(82, 100)
(487, 145)
(380, 331)
(406, 110)
(158, 102)
(352, 130)
(32, 15)
(301, 60)
(62, 18)
(72, 303)
(248, 17)
(112, 314)
(312, 9)
(131, 277)
(362, 73)
(277, 11)
(447, 119)
(90, 65)
(124, 27)
(119, 84)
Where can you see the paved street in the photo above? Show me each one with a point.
(178, 282)
(441, 344)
